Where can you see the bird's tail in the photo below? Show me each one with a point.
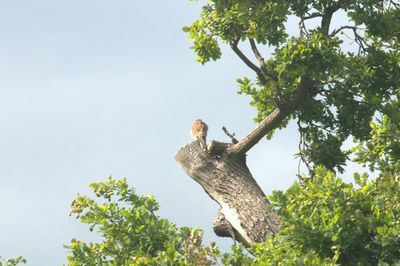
(202, 141)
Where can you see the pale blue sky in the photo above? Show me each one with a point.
(92, 88)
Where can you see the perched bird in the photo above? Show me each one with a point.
(199, 132)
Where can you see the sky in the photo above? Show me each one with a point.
(90, 89)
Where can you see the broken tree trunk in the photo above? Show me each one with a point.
(223, 174)
(244, 214)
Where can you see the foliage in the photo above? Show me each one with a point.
(330, 217)
(382, 152)
(354, 67)
(238, 257)
(12, 262)
(354, 71)
(326, 221)
(132, 234)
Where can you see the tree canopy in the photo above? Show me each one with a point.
(352, 67)
(324, 221)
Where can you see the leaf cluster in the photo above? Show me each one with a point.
(132, 234)
(382, 152)
(12, 261)
(348, 90)
(326, 221)
(352, 225)
(229, 21)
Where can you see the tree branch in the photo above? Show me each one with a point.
(273, 119)
(326, 20)
(357, 37)
(247, 61)
(336, 31)
(396, 5)
(257, 53)
(311, 16)
(231, 135)
(302, 25)
(327, 16)
(261, 61)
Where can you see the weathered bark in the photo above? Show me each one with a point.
(223, 174)
(244, 214)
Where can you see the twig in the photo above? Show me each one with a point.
(357, 37)
(396, 5)
(303, 29)
(231, 135)
(302, 25)
(302, 143)
(342, 28)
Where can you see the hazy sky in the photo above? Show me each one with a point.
(92, 88)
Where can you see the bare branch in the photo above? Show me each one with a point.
(268, 124)
(336, 31)
(359, 39)
(261, 61)
(231, 135)
(257, 53)
(302, 28)
(302, 25)
(264, 70)
(273, 119)
(247, 61)
(396, 5)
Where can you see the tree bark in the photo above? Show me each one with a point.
(244, 214)
(222, 172)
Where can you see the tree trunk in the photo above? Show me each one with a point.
(222, 172)
(244, 214)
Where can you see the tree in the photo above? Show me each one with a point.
(323, 220)
(326, 221)
(333, 81)
(132, 234)
(336, 83)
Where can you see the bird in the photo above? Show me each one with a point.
(199, 132)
